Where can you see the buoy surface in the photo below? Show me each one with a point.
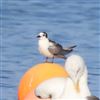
(31, 96)
(37, 74)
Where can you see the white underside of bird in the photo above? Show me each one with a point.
(43, 47)
(65, 88)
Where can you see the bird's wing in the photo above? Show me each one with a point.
(54, 47)
(68, 50)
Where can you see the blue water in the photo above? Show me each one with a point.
(66, 21)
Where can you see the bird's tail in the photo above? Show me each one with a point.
(71, 47)
(68, 50)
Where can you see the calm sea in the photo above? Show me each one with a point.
(68, 22)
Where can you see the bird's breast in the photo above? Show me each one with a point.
(43, 48)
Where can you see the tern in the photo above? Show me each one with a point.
(52, 49)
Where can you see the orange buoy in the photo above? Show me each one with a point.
(37, 74)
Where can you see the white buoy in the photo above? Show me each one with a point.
(77, 70)
(74, 87)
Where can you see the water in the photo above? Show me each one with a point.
(66, 21)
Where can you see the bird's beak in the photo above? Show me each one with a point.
(77, 87)
(38, 36)
(76, 84)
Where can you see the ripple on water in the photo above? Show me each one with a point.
(67, 22)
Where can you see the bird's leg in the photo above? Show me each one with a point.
(52, 59)
(46, 59)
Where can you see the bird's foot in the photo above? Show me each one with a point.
(47, 62)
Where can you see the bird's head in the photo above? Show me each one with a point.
(42, 35)
(76, 67)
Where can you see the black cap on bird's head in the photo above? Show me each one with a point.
(42, 34)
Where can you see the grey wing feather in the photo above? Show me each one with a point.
(68, 50)
(54, 48)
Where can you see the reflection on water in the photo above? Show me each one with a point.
(67, 22)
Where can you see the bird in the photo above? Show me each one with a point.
(52, 49)
(60, 88)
